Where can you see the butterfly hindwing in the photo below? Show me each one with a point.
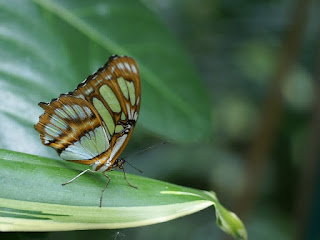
(97, 118)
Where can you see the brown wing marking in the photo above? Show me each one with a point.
(63, 123)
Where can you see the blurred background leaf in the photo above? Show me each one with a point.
(236, 48)
(48, 47)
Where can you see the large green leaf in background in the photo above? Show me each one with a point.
(48, 47)
(32, 198)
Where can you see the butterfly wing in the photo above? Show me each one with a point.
(72, 127)
(93, 124)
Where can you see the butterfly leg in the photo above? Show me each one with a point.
(125, 177)
(77, 176)
(105, 187)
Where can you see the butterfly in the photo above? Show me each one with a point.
(93, 124)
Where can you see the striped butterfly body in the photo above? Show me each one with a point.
(93, 124)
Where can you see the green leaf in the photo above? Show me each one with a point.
(48, 47)
(33, 199)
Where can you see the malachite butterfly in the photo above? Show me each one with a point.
(93, 124)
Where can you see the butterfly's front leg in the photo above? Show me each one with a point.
(105, 187)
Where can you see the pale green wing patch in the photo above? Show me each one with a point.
(76, 152)
(132, 93)
(92, 144)
(61, 113)
(68, 109)
(100, 137)
(123, 87)
(105, 115)
(119, 128)
(89, 142)
(52, 130)
(123, 116)
(58, 122)
(110, 98)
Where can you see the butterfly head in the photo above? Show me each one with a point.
(119, 163)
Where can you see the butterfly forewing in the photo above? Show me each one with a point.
(92, 124)
(70, 125)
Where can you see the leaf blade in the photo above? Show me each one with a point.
(32, 198)
(64, 217)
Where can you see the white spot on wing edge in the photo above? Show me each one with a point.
(89, 90)
(47, 138)
(127, 66)
(133, 67)
(80, 96)
(121, 66)
(98, 82)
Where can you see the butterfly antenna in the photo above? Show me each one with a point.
(146, 149)
(143, 150)
(134, 167)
